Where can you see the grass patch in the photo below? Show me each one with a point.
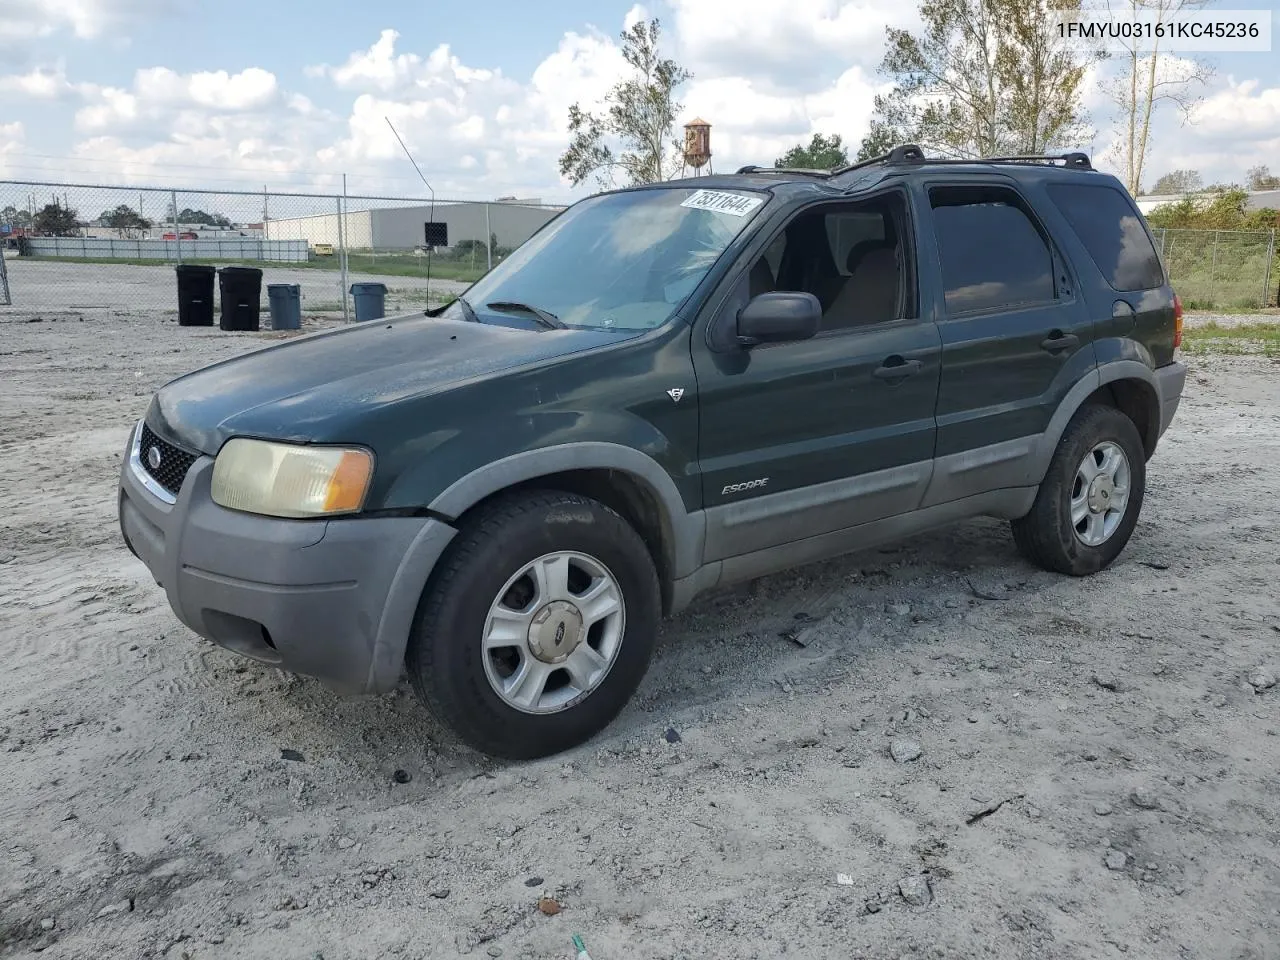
(1257, 337)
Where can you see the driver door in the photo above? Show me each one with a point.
(801, 438)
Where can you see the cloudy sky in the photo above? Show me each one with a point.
(235, 95)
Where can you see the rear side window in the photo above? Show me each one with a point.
(1112, 232)
(993, 255)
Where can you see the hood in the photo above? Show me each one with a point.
(300, 389)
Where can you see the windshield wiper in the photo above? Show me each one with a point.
(549, 320)
(466, 309)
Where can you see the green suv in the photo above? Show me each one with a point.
(665, 390)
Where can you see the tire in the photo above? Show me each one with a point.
(1047, 535)
(507, 561)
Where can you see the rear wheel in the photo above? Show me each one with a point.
(538, 627)
(1090, 498)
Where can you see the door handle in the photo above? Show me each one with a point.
(896, 368)
(1057, 341)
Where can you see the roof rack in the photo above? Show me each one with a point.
(1076, 160)
(910, 153)
(907, 153)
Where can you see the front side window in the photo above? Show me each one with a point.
(623, 261)
(853, 257)
(993, 256)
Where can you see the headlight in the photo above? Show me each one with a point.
(287, 480)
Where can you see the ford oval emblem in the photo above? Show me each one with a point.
(153, 458)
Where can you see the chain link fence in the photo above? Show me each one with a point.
(71, 248)
(1222, 269)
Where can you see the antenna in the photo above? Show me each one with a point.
(432, 214)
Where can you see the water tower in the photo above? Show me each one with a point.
(697, 147)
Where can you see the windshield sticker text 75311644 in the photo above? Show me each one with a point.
(734, 204)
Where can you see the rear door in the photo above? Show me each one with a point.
(1015, 335)
(798, 439)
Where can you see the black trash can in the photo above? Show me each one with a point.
(241, 292)
(195, 295)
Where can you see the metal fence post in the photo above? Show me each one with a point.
(342, 264)
(177, 234)
(6, 299)
(1266, 272)
(488, 238)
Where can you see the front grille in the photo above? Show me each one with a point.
(174, 462)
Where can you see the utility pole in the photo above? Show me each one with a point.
(342, 248)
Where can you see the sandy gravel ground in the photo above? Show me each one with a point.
(1097, 769)
(51, 289)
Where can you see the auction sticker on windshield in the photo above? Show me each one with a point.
(734, 204)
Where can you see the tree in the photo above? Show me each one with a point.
(822, 153)
(880, 139)
(124, 218)
(187, 215)
(982, 78)
(1260, 178)
(1148, 79)
(1177, 181)
(1225, 211)
(54, 220)
(11, 216)
(634, 134)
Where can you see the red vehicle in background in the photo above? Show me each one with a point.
(185, 235)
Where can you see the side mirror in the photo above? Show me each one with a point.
(775, 317)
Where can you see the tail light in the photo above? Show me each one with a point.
(1177, 321)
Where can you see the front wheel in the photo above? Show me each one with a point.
(1090, 498)
(538, 627)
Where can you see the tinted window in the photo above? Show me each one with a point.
(992, 255)
(1112, 232)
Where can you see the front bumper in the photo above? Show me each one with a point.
(1170, 379)
(333, 599)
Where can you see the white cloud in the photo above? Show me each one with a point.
(219, 90)
(1235, 127)
(381, 69)
(161, 98)
(111, 108)
(767, 76)
(40, 83)
(23, 21)
(1244, 111)
(787, 45)
(12, 136)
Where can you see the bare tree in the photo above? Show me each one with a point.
(1149, 78)
(639, 118)
(1261, 178)
(1177, 181)
(982, 77)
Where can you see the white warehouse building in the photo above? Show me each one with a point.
(403, 228)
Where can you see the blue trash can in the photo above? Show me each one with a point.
(285, 302)
(371, 300)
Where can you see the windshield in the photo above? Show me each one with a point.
(618, 261)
